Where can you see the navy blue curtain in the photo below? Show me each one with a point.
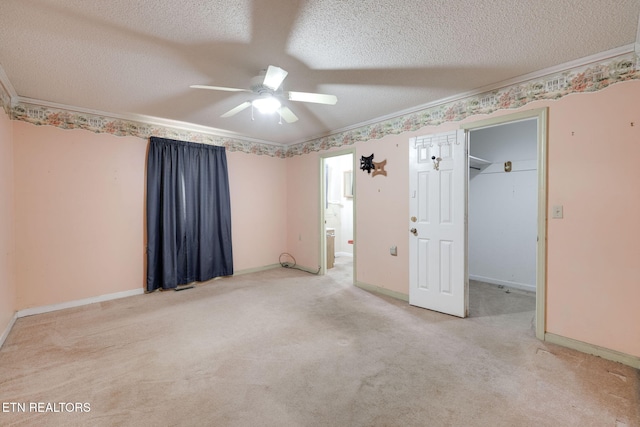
(188, 214)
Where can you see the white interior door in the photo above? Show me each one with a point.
(437, 210)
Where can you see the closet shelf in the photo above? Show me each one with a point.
(477, 163)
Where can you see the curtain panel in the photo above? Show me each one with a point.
(188, 214)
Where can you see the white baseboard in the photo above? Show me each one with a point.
(513, 285)
(256, 269)
(77, 303)
(605, 353)
(272, 266)
(345, 254)
(383, 291)
(5, 334)
(117, 295)
(307, 269)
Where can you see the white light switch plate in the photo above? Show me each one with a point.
(557, 212)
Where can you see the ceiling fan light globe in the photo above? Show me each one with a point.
(266, 105)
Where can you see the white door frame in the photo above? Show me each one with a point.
(323, 239)
(541, 251)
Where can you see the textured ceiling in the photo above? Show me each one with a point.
(379, 57)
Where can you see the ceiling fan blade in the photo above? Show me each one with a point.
(287, 115)
(236, 110)
(318, 98)
(274, 77)
(226, 89)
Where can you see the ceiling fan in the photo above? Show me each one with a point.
(268, 88)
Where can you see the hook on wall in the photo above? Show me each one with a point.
(436, 162)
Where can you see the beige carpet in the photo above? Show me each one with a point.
(286, 348)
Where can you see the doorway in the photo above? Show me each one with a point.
(337, 216)
(502, 218)
(515, 201)
(438, 217)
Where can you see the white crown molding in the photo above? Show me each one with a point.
(618, 64)
(7, 92)
(582, 62)
(149, 120)
(588, 74)
(637, 45)
(6, 84)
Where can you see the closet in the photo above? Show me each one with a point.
(503, 204)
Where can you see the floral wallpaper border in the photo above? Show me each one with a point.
(43, 115)
(588, 78)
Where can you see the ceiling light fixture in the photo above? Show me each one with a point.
(266, 105)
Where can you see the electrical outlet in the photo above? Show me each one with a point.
(557, 212)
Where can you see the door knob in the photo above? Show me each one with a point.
(414, 231)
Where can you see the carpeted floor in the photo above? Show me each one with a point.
(286, 348)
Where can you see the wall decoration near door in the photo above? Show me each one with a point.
(188, 214)
(366, 163)
(379, 168)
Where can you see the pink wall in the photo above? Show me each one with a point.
(594, 252)
(592, 268)
(7, 242)
(80, 213)
(382, 209)
(258, 208)
(303, 210)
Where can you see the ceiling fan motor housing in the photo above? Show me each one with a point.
(257, 86)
